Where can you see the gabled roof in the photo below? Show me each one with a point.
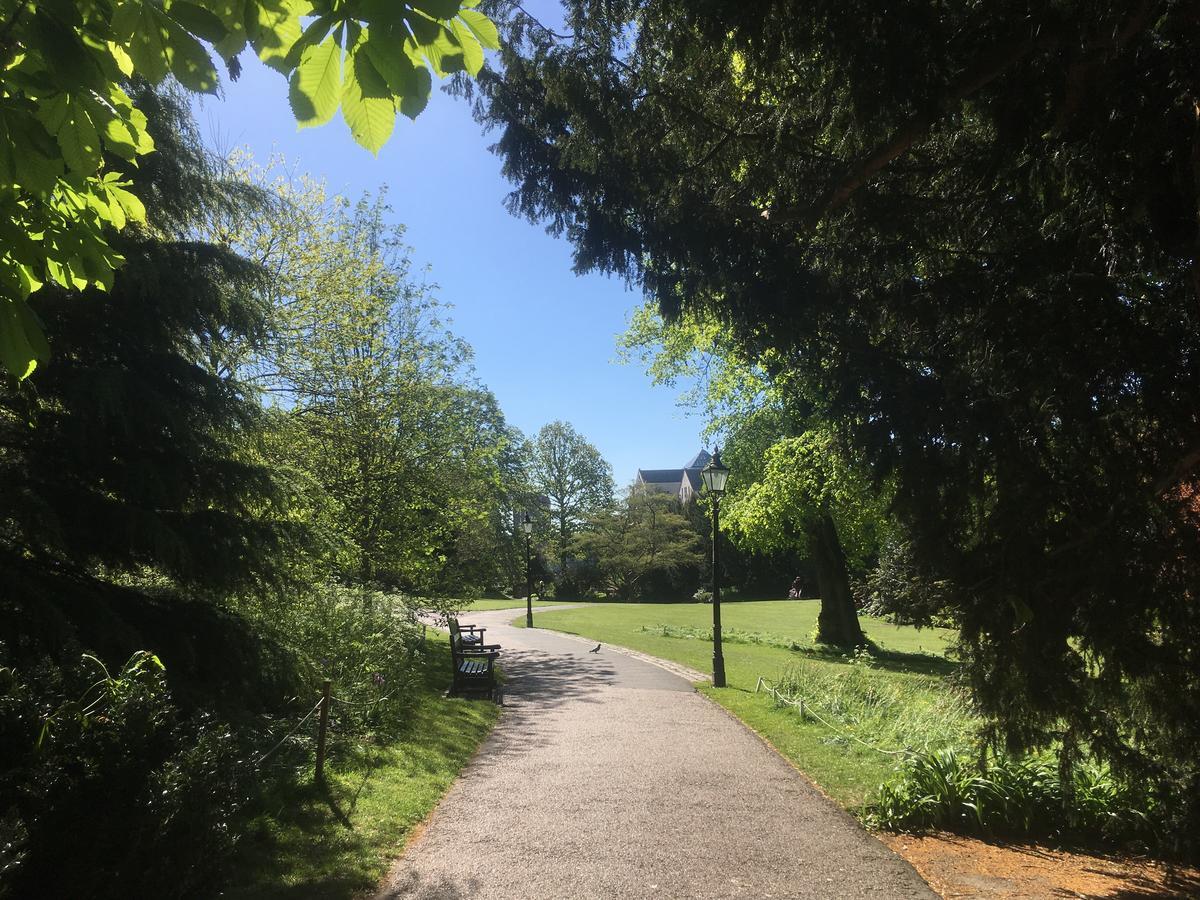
(699, 461)
(661, 476)
(693, 477)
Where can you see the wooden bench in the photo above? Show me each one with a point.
(469, 634)
(474, 666)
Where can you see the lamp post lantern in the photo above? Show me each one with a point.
(527, 527)
(715, 474)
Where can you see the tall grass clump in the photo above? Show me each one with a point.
(1009, 796)
(859, 703)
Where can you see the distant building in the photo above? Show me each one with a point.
(684, 483)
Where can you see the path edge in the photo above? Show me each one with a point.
(380, 890)
(841, 810)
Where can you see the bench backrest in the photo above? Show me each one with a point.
(458, 644)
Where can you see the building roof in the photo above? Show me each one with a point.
(676, 479)
(661, 476)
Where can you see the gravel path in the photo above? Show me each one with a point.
(610, 777)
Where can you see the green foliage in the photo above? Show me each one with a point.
(903, 590)
(570, 472)
(404, 459)
(965, 235)
(694, 351)
(367, 643)
(1021, 797)
(135, 449)
(801, 479)
(105, 763)
(643, 535)
(69, 129)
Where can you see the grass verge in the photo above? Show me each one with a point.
(485, 605)
(772, 639)
(336, 842)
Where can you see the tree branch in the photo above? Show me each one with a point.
(916, 128)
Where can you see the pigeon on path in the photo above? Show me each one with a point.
(595, 649)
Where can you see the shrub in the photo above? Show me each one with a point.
(902, 591)
(1012, 796)
(366, 642)
(113, 792)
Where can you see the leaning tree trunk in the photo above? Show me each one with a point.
(837, 622)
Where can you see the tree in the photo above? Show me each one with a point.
(794, 488)
(573, 475)
(134, 455)
(68, 128)
(802, 494)
(379, 408)
(967, 235)
(642, 535)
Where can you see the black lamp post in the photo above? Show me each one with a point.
(527, 527)
(715, 475)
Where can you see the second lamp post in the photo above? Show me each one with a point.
(527, 527)
(715, 475)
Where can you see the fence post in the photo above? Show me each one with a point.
(322, 730)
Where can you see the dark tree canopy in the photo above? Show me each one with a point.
(967, 235)
(133, 450)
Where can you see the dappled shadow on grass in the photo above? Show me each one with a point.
(334, 840)
(308, 824)
(889, 660)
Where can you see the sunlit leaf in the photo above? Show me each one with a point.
(482, 27)
(367, 103)
(315, 88)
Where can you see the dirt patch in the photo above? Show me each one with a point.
(959, 867)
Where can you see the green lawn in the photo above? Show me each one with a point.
(326, 844)
(771, 639)
(484, 605)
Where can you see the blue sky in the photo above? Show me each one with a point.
(544, 338)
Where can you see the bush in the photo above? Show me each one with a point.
(111, 791)
(1014, 797)
(366, 642)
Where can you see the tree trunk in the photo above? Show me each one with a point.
(837, 622)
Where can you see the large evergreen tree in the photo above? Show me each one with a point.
(133, 450)
(967, 233)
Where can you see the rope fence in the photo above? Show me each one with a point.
(806, 709)
(298, 725)
(323, 706)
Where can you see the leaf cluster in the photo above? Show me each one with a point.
(63, 109)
